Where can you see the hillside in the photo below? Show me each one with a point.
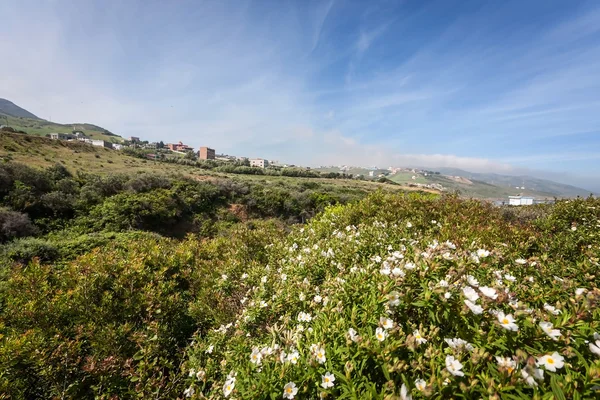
(21, 119)
(9, 108)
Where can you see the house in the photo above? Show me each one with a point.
(80, 136)
(206, 153)
(61, 136)
(117, 146)
(259, 162)
(520, 200)
(179, 147)
(102, 143)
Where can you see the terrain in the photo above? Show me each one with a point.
(21, 119)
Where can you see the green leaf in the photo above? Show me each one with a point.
(556, 389)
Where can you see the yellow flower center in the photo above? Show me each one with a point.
(550, 360)
(289, 390)
(326, 380)
(319, 355)
(505, 321)
(510, 370)
(229, 387)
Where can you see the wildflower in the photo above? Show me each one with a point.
(327, 380)
(450, 245)
(200, 375)
(420, 384)
(284, 277)
(224, 277)
(386, 323)
(256, 356)
(595, 348)
(409, 224)
(263, 304)
(304, 317)
(551, 362)
(459, 344)
(454, 366)
(530, 378)
(470, 293)
(228, 387)
(475, 308)
(521, 261)
(398, 272)
(489, 292)
(210, 349)
(443, 283)
(317, 299)
(189, 392)
(506, 362)
(385, 271)
(192, 372)
(302, 296)
(472, 281)
(263, 279)
(289, 390)
(244, 276)
(510, 278)
(507, 321)
(447, 256)
(551, 309)
(573, 228)
(482, 253)
(447, 295)
(282, 357)
(320, 355)
(380, 334)
(580, 291)
(419, 339)
(394, 299)
(353, 335)
(475, 258)
(293, 357)
(404, 395)
(409, 266)
(547, 328)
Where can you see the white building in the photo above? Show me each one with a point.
(102, 143)
(117, 146)
(371, 173)
(520, 201)
(259, 162)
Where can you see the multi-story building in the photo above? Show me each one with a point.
(259, 162)
(179, 147)
(206, 153)
(102, 143)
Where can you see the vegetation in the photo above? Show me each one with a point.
(164, 286)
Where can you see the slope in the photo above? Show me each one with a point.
(7, 107)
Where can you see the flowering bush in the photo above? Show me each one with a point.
(402, 297)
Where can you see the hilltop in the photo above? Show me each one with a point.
(20, 119)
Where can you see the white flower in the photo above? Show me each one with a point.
(304, 317)
(482, 253)
(420, 339)
(353, 335)
(263, 304)
(256, 356)
(595, 348)
(192, 372)
(386, 323)
(547, 328)
(551, 362)
(459, 344)
(551, 309)
(394, 299)
(420, 384)
(189, 392)
(530, 379)
(521, 261)
(470, 293)
(507, 321)
(454, 366)
(380, 334)
(289, 390)
(580, 291)
(510, 278)
(244, 276)
(228, 387)
(410, 266)
(447, 295)
(409, 225)
(398, 272)
(472, 281)
(450, 245)
(385, 271)
(200, 375)
(573, 228)
(317, 299)
(302, 296)
(489, 292)
(475, 308)
(443, 283)
(224, 277)
(506, 362)
(320, 355)
(210, 349)
(404, 395)
(447, 256)
(293, 357)
(327, 380)
(475, 258)
(284, 277)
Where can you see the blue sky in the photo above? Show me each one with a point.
(504, 86)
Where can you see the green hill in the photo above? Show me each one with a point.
(20, 119)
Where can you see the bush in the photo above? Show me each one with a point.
(14, 225)
(25, 250)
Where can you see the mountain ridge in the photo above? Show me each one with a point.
(7, 107)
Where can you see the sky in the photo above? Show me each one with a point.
(511, 87)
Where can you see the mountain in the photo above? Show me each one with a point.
(23, 120)
(9, 108)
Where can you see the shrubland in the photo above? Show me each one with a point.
(391, 296)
